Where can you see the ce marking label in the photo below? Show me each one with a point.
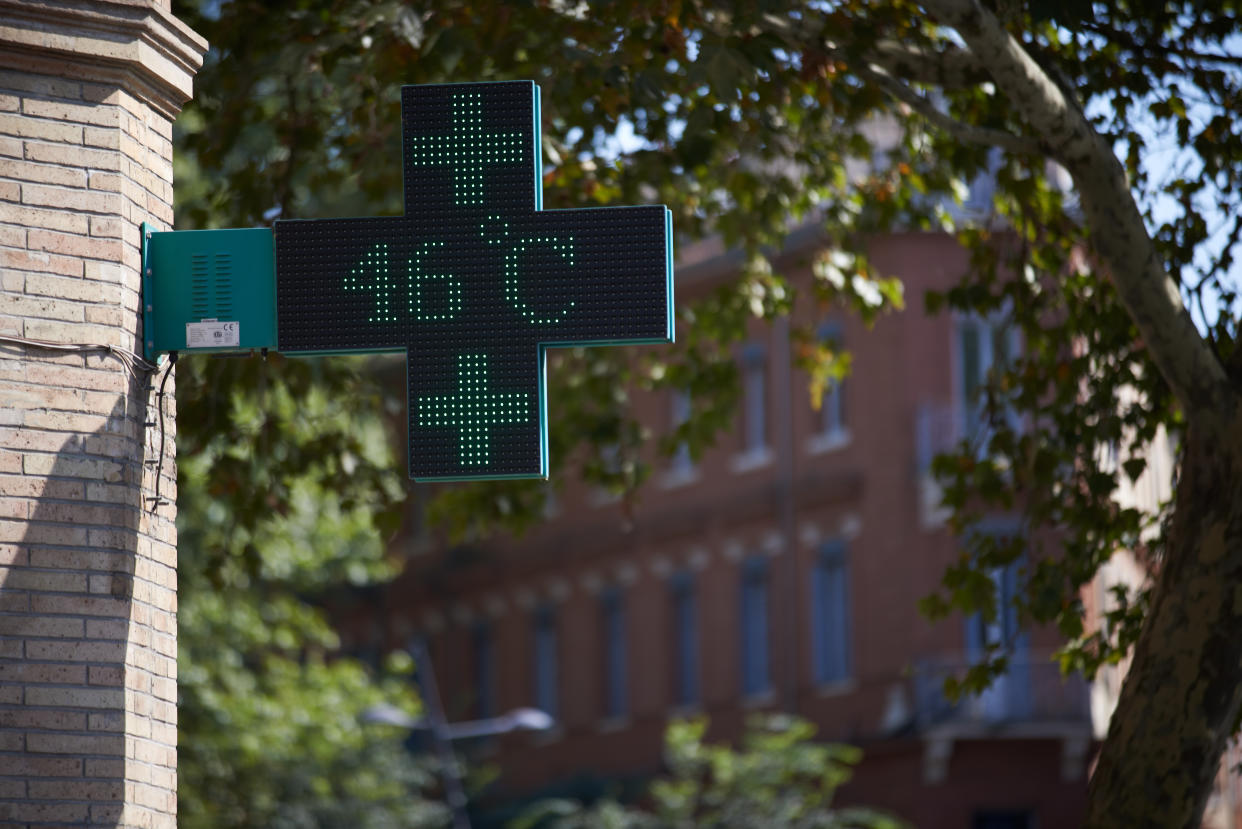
(212, 334)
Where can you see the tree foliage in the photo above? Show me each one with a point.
(778, 776)
(286, 487)
(745, 119)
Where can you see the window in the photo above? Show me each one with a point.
(685, 641)
(484, 670)
(832, 429)
(983, 186)
(1008, 697)
(682, 467)
(1002, 631)
(830, 614)
(832, 410)
(756, 676)
(610, 467)
(982, 345)
(754, 400)
(612, 606)
(546, 669)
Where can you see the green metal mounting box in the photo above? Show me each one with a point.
(208, 290)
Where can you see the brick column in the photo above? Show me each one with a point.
(88, 591)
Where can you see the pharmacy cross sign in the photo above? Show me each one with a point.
(475, 281)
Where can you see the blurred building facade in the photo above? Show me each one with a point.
(779, 572)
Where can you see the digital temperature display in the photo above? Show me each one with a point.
(475, 281)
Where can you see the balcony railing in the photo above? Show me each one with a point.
(938, 428)
(1032, 691)
(941, 428)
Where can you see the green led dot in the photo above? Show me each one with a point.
(480, 408)
(371, 275)
(511, 278)
(467, 159)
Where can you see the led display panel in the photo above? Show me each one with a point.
(475, 281)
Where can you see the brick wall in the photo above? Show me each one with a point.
(88, 651)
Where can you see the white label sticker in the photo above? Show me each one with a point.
(212, 334)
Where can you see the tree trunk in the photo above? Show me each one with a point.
(1182, 695)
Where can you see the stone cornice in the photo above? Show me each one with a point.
(137, 43)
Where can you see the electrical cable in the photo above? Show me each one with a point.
(133, 362)
(159, 404)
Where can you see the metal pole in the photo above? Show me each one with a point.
(450, 771)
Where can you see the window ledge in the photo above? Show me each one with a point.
(485, 748)
(548, 737)
(837, 687)
(610, 725)
(600, 497)
(762, 699)
(685, 711)
(679, 477)
(829, 441)
(753, 459)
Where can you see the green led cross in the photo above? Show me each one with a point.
(474, 409)
(474, 282)
(467, 149)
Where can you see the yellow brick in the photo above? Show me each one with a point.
(76, 651)
(107, 226)
(110, 379)
(69, 467)
(111, 182)
(76, 790)
(104, 315)
(31, 440)
(35, 673)
(74, 743)
(25, 578)
(46, 263)
(62, 111)
(31, 812)
(42, 628)
(20, 485)
(69, 332)
(110, 629)
(45, 173)
(65, 421)
(40, 307)
(36, 217)
(22, 126)
(70, 199)
(35, 533)
(13, 237)
(76, 697)
(69, 244)
(49, 720)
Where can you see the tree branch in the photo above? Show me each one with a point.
(952, 68)
(1147, 290)
(1113, 33)
(962, 132)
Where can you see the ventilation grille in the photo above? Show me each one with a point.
(211, 286)
(224, 286)
(200, 286)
